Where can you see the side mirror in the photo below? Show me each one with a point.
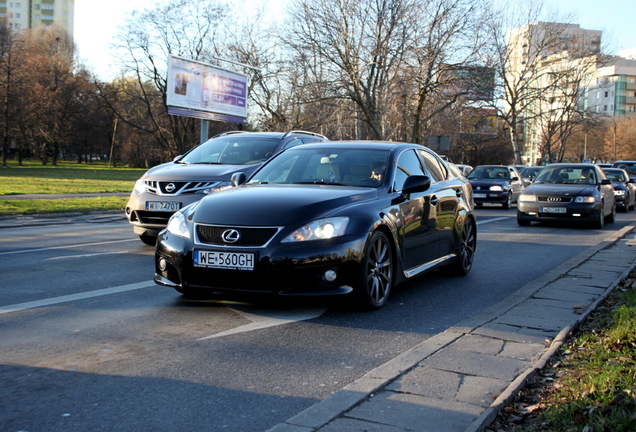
(515, 179)
(606, 182)
(238, 178)
(416, 183)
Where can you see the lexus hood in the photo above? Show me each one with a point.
(276, 205)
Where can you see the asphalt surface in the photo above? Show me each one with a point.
(459, 379)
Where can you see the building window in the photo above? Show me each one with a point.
(36, 6)
(604, 107)
(606, 94)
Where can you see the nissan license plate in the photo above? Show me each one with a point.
(224, 260)
(480, 195)
(165, 206)
(554, 210)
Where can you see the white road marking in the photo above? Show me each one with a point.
(264, 318)
(73, 297)
(66, 247)
(493, 220)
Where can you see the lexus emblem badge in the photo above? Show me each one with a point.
(230, 236)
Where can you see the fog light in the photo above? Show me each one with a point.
(163, 265)
(329, 276)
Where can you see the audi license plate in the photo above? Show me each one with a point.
(165, 206)
(554, 210)
(224, 260)
(479, 195)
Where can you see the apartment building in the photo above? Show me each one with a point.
(613, 88)
(23, 14)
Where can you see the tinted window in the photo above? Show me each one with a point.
(235, 149)
(434, 166)
(408, 164)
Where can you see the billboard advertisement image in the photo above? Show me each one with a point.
(201, 90)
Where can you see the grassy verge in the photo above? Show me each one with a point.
(64, 178)
(590, 386)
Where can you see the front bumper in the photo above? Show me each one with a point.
(151, 222)
(281, 269)
(489, 197)
(543, 211)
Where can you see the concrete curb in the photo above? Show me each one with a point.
(363, 390)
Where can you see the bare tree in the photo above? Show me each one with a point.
(356, 47)
(184, 28)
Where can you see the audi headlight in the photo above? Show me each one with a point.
(140, 187)
(320, 229)
(585, 199)
(496, 188)
(619, 192)
(178, 226)
(527, 197)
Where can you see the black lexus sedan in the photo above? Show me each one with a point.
(496, 184)
(568, 192)
(335, 218)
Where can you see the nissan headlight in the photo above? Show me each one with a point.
(216, 188)
(321, 229)
(585, 199)
(140, 186)
(178, 226)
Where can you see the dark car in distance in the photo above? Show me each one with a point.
(624, 188)
(568, 192)
(205, 169)
(627, 165)
(334, 218)
(495, 184)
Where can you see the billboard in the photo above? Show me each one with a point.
(200, 90)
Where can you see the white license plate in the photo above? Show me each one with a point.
(554, 210)
(480, 195)
(224, 260)
(167, 206)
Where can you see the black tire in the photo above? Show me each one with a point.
(508, 202)
(612, 216)
(376, 278)
(466, 245)
(522, 222)
(600, 220)
(148, 239)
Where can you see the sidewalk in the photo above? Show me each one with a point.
(459, 379)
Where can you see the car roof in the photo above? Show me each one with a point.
(278, 135)
(382, 145)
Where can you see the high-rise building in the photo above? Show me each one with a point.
(613, 88)
(23, 14)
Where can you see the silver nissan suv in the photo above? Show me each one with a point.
(207, 168)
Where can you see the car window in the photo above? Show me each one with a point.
(342, 166)
(568, 175)
(408, 164)
(434, 166)
(233, 150)
(489, 173)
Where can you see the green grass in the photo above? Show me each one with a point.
(64, 178)
(591, 385)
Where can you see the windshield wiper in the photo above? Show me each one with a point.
(323, 182)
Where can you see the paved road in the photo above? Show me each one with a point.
(444, 383)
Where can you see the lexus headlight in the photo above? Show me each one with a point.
(140, 186)
(178, 226)
(585, 199)
(496, 188)
(320, 229)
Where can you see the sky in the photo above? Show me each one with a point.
(94, 35)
